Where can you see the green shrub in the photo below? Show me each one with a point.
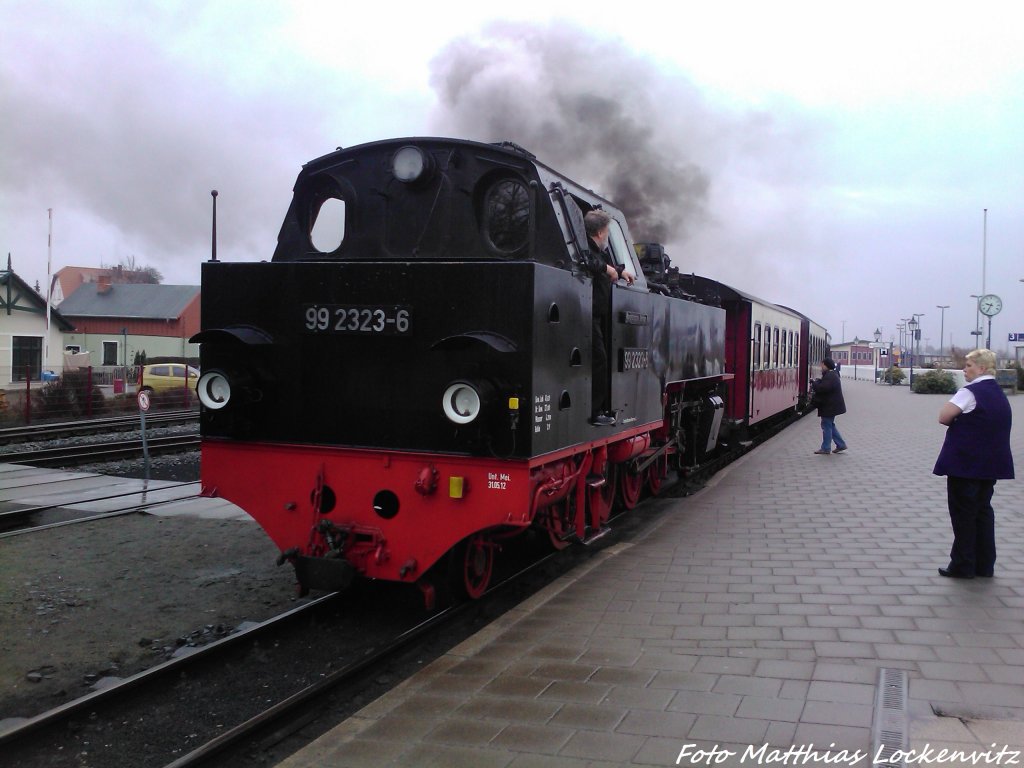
(894, 375)
(935, 383)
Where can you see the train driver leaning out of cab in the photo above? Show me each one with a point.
(605, 271)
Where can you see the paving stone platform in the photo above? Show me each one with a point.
(756, 612)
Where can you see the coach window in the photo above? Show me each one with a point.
(506, 217)
(766, 348)
(755, 348)
(327, 224)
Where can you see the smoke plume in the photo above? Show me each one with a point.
(589, 108)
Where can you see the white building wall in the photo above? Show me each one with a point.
(153, 346)
(26, 324)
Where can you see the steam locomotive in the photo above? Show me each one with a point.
(407, 383)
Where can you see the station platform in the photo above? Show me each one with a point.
(756, 622)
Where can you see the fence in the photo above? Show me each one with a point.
(82, 393)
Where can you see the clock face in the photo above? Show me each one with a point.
(990, 305)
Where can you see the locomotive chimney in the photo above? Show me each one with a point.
(213, 254)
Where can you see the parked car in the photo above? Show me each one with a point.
(167, 377)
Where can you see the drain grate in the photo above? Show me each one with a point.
(889, 724)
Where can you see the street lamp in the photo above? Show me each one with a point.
(878, 353)
(917, 336)
(912, 326)
(976, 333)
(942, 327)
(903, 341)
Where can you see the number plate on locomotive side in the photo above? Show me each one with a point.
(633, 359)
(357, 319)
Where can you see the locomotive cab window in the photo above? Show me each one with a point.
(327, 225)
(506, 215)
(623, 254)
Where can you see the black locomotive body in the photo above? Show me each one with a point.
(410, 376)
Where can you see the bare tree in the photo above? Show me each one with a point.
(128, 270)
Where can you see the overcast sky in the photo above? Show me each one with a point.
(833, 157)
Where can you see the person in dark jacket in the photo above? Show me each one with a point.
(975, 453)
(600, 264)
(828, 396)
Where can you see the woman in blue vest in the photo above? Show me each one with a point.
(975, 454)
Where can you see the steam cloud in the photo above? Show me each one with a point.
(589, 108)
(124, 138)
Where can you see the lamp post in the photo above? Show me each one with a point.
(976, 333)
(917, 336)
(942, 327)
(904, 339)
(878, 353)
(912, 325)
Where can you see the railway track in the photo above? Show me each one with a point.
(17, 734)
(288, 715)
(74, 455)
(232, 667)
(17, 521)
(65, 429)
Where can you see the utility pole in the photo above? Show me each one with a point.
(49, 285)
(942, 326)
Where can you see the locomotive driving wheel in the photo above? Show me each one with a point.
(631, 485)
(558, 522)
(474, 559)
(656, 474)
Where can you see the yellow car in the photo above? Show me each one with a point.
(167, 377)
